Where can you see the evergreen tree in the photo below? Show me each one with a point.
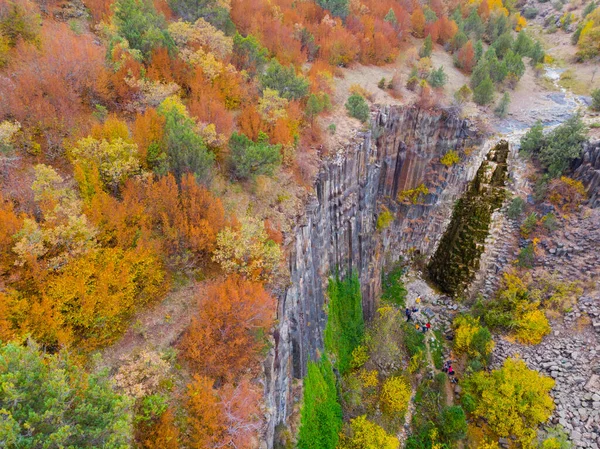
(210, 10)
(49, 401)
(564, 144)
(426, 48)
(502, 108)
(458, 41)
(478, 50)
(391, 17)
(595, 106)
(497, 68)
(285, 81)
(248, 54)
(480, 72)
(249, 159)
(503, 44)
(483, 94)
(338, 8)
(438, 78)
(514, 64)
(142, 26)
(537, 54)
(523, 44)
(358, 108)
(185, 150)
(474, 25)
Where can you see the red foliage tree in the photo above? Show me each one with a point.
(418, 22)
(52, 87)
(447, 29)
(221, 341)
(466, 57)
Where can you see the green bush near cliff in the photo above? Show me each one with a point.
(321, 416)
(345, 322)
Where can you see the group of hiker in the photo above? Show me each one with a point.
(409, 312)
(409, 317)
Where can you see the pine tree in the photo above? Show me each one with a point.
(438, 78)
(391, 17)
(484, 92)
(427, 47)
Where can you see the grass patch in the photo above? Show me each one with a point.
(345, 324)
(393, 290)
(437, 347)
(569, 80)
(546, 83)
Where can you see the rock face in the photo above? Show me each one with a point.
(456, 260)
(587, 170)
(339, 230)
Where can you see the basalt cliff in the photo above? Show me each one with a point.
(339, 231)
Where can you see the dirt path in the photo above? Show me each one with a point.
(158, 327)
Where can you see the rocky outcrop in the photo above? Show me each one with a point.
(456, 261)
(571, 356)
(587, 170)
(339, 229)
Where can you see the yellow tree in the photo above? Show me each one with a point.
(513, 400)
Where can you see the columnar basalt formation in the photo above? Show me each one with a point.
(339, 231)
(587, 170)
(456, 261)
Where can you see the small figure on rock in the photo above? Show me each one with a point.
(408, 314)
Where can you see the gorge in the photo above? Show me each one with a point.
(339, 230)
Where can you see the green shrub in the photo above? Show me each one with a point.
(392, 287)
(357, 107)
(332, 128)
(589, 8)
(595, 100)
(345, 324)
(249, 159)
(321, 413)
(530, 13)
(316, 104)
(414, 340)
(463, 94)
(529, 224)
(468, 403)
(285, 81)
(533, 140)
(515, 208)
(526, 257)
(502, 108)
(564, 144)
(549, 222)
(453, 423)
(382, 83)
(248, 53)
